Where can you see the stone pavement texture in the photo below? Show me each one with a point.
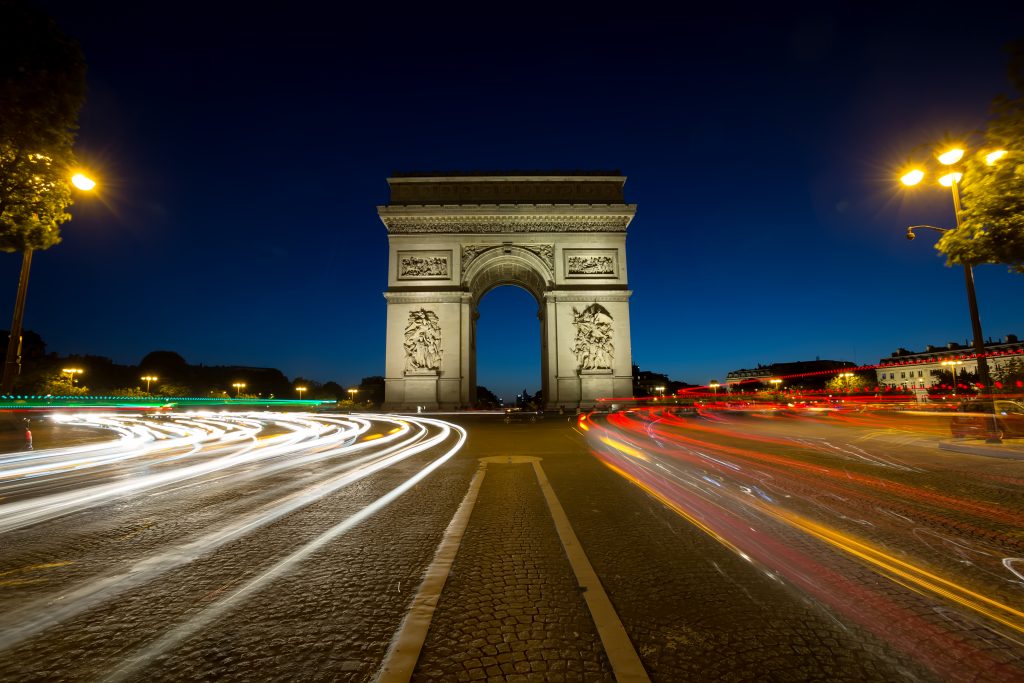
(511, 609)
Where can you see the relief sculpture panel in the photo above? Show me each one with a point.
(424, 265)
(422, 341)
(592, 345)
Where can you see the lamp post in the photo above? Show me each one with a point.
(952, 368)
(352, 394)
(72, 372)
(147, 379)
(952, 181)
(238, 388)
(778, 384)
(846, 378)
(713, 385)
(300, 390)
(12, 363)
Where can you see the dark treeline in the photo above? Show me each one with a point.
(45, 373)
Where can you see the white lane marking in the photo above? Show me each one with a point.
(405, 648)
(626, 664)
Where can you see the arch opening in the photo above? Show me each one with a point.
(508, 349)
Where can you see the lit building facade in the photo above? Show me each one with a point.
(919, 369)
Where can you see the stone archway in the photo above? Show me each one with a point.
(454, 238)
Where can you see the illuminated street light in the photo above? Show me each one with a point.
(12, 363)
(83, 182)
(147, 379)
(952, 181)
(661, 391)
(72, 372)
(992, 157)
(238, 388)
(951, 156)
(352, 394)
(300, 390)
(952, 369)
(913, 177)
(778, 384)
(713, 385)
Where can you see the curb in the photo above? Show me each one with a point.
(1011, 452)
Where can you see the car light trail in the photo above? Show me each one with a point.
(335, 442)
(175, 636)
(781, 502)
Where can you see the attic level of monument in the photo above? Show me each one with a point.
(507, 188)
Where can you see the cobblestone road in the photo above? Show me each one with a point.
(292, 568)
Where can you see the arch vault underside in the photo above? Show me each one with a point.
(454, 238)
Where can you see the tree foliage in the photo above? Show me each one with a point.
(992, 196)
(42, 87)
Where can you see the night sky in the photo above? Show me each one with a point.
(243, 155)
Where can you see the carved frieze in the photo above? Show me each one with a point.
(592, 344)
(422, 341)
(501, 224)
(424, 265)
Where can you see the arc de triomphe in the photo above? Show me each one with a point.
(453, 238)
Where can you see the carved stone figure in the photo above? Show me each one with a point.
(422, 341)
(429, 266)
(546, 253)
(593, 344)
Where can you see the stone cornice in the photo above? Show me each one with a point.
(592, 296)
(427, 297)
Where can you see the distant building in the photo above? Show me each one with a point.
(919, 369)
(807, 373)
(648, 383)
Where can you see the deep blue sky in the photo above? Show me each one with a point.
(243, 157)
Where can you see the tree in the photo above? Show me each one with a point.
(992, 195)
(42, 87)
(856, 382)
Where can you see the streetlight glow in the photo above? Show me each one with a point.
(950, 178)
(300, 390)
(951, 156)
(993, 157)
(238, 388)
(912, 177)
(83, 182)
(147, 379)
(72, 372)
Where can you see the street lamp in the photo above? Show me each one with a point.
(12, 363)
(300, 390)
(661, 391)
(352, 394)
(952, 369)
(952, 181)
(847, 376)
(238, 388)
(778, 384)
(72, 372)
(147, 379)
(713, 385)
